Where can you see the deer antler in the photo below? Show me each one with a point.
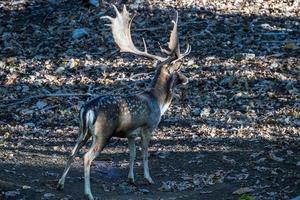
(174, 43)
(121, 25)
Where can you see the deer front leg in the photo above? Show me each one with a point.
(145, 143)
(132, 153)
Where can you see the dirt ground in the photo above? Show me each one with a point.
(231, 133)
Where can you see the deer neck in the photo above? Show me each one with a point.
(162, 90)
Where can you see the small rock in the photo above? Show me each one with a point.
(190, 62)
(243, 190)
(26, 112)
(290, 46)
(249, 56)
(2, 64)
(68, 197)
(56, 148)
(60, 70)
(260, 160)
(196, 111)
(126, 189)
(296, 198)
(272, 194)
(136, 4)
(72, 63)
(298, 164)
(196, 138)
(51, 174)
(167, 186)
(94, 3)
(162, 154)
(39, 190)
(144, 190)
(196, 182)
(10, 194)
(25, 88)
(227, 81)
(274, 157)
(79, 33)
(49, 195)
(30, 124)
(240, 95)
(55, 2)
(26, 187)
(205, 112)
(246, 56)
(266, 26)
(231, 161)
(274, 65)
(41, 104)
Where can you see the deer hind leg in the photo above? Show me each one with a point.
(146, 135)
(132, 152)
(82, 139)
(100, 138)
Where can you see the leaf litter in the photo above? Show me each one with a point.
(234, 130)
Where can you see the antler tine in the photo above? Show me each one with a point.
(174, 41)
(187, 52)
(121, 25)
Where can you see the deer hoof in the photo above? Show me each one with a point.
(89, 197)
(131, 181)
(60, 186)
(150, 181)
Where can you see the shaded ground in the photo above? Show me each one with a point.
(232, 134)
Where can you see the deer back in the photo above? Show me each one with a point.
(123, 114)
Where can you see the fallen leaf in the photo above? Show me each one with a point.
(274, 157)
(290, 46)
(26, 187)
(41, 104)
(231, 161)
(48, 195)
(11, 79)
(10, 194)
(243, 190)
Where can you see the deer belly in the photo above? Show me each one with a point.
(135, 133)
(129, 134)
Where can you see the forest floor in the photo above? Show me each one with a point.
(232, 132)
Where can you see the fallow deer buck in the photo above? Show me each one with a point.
(133, 115)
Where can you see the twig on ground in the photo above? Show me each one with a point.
(132, 78)
(19, 101)
(161, 27)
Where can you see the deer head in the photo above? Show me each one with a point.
(168, 74)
